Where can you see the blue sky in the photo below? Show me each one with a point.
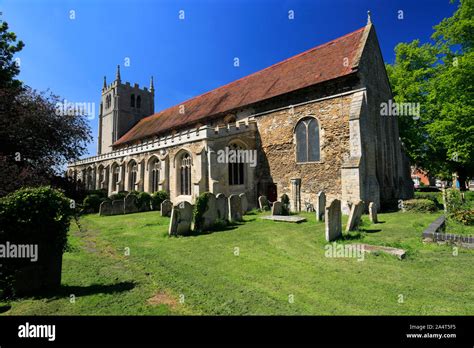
(191, 56)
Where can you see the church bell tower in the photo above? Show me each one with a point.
(122, 106)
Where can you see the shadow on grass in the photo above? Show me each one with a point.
(68, 290)
(352, 236)
(369, 230)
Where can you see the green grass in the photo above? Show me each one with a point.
(255, 268)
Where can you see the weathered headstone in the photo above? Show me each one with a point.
(263, 203)
(373, 212)
(166, 207)
(320, 206)
(222, 206)
(130, 204)
(118, 207)
(277, 208)
(235, 208)
(210, 214)
(181, 218)
(244, 203)
(332, 219)
(105, 208)
(354, 216)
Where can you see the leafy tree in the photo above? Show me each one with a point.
(439, 76)
(8, 66)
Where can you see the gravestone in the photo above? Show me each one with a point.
(166, 207)
(235, 208)
(210, 213)
(354, 216)
(181, 218)
(263, 203)
(222, 207)
(277, 208)
(117, 206)
(320, 206)
(332, 219)
(130, 204)
(105, 208)
(244, 203)
(373, 212)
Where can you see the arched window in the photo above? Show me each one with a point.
(133, 176)
(154, 170)
(236, 165)
(90, 179)
(108, 101)
(132, 100)
(139, 102)
(185, 174)
(115, 177)
(307, 140)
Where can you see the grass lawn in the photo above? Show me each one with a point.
(258, 267)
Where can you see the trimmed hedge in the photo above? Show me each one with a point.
(420, 205)
(143, 201)
(34, 216)
(91, 203)
(436, 197)
(157, 198)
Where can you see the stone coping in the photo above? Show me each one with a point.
(435, 232)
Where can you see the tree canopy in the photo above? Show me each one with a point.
(439, 76)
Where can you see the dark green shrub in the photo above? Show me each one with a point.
(34, 216)
(454, 201)
(157, 198)
(102, 193)
(420, 205)
(436, 197)
(118, 195)
(143, 201)
(199, 210)
(92, 203)
(285, 200)
(466, 217)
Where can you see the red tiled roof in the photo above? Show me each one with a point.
(319, 64)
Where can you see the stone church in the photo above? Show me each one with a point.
(313, 120)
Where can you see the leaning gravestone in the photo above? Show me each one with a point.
(320, 206)
(210, 213)
(166, 207)
(130, 204)
(222, 208)
(332, 219)
(105, 208)
(117, 207)
(244, 203)
(277, 208)
(181, 218)
(235, 208)
(354, 216)
(263, 203)
(373, 212)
